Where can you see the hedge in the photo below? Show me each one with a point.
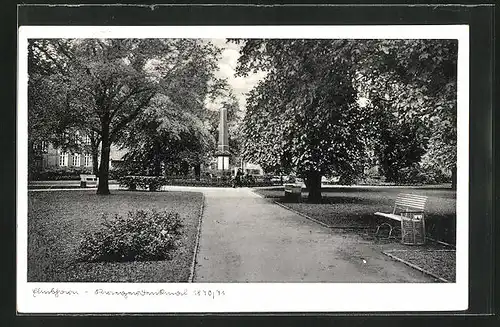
(58, 174)
(154, 183)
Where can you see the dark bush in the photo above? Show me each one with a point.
(411, 175)
(128, 181)
(116, 173)
(142, 235)
(151, 183)
(416, 174)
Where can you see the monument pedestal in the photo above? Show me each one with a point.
(223, 162)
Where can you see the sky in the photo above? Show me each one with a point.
(227, 69)
(240, 85)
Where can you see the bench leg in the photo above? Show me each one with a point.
(390, 229)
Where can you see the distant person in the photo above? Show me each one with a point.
(251, 179)
(238, 177)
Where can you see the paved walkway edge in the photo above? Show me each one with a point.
(441, 242)
(416, 267)
(301, 214)
(197, 242)
(315, 220)
(342, 227)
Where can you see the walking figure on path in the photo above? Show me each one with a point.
(237, 178)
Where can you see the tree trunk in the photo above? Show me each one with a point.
(103, 187)
(454, 178)
(184, 168)
(95, 157)
(157, 160)
(197, 171)
(157, 167)
(313, 183)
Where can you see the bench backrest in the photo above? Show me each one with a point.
(87, 177)
(409, 202)
(292, 188)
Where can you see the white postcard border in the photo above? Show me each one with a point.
(246, 297)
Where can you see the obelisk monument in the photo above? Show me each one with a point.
(223, 143)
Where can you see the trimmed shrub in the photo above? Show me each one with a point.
(56, 174)
(154, 183)
(142, 235)
(128, 182)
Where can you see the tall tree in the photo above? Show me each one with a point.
(409, 85)
(303, 116)
(165, 137)
(113, 81)
(173, 127)
(416, 80)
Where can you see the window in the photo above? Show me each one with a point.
(45, 146)
(63, 159)
(76, 159)
(87, 140)
(77, 137)
(88, 160)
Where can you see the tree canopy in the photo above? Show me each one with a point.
(414, 84)
(306, 114)
(104, 85)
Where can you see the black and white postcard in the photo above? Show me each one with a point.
(170, 169)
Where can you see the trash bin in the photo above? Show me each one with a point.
(412, 228)
(293, 193)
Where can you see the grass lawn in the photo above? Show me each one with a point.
(354, 207)
(57, 220)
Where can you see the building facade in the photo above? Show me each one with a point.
(45, 156)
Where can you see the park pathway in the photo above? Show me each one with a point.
(245, 238)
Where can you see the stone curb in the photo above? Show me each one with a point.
(197, 243)
(301, 214)
(310, 218)
(441, 242)
(416, 267)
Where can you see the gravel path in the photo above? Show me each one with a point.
(245, 238)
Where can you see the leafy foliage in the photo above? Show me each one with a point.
(414, 81)
(61, 174)
(104, 85)
(172, 135)
(303, 116)
(325, 103)
(152, 183)
(142, 235)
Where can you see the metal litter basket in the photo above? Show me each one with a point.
(412, 228)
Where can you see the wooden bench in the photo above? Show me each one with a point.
(407, 208)
(293, 191)
(88, 179)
